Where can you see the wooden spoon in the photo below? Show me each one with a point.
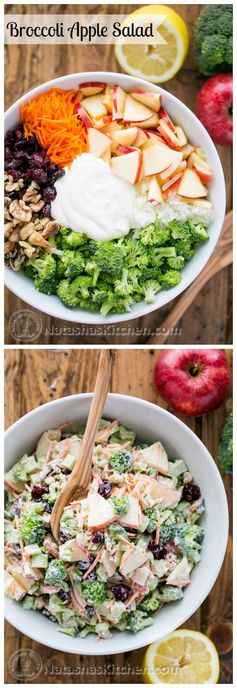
(221, 258)
(80, 477)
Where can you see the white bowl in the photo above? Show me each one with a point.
(150, 423)
(24, 288)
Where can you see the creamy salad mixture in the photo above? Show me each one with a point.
(106, 199)
(125, 550)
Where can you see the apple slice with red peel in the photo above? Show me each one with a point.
(111, 127)
(125, 137)
(154, 191)
(87, 121)
(172, 181)
(94, 106)
(174, 167)
(154, 137)
(164, 115)
(190, 185)
(100, 512)
(128, 166)
(106, 99)
(168, 134)
(91, 88)
(181, 136)
(158, 157)
(98, 142)
(102, 122)
(148, 98)
(141, 138)
(149, 123)
(118, 100)
(187, 150)
(195, 158)
(202, 168)
(134, 111)
(171, 191)
(124, 150)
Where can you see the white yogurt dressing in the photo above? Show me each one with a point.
(92, 199)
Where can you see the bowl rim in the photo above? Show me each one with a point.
(81, 315)
(224, 506)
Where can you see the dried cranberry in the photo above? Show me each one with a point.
(39, 175)
(105, 489)
(49, 193)
(131, 531)
(64, 596)
(191, 492)
(64, 536)
(83, 565)
(15, 509)
(90, 611)
(98, 537)
(46, 598)
(17, 550)
(48, 507)
(121, 592)
(37, 492)
(92, 576)
(157, 551)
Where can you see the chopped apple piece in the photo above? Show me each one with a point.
(107, 156)
(124, 150)
(149, 123)
(141, 576)
(181, 136)
(158, 158)
(168, 134)
(91, 88)
(111, 127)
(84, 117)
(180, 574)
(134, 111)
(190, 185)
(126, 137)
(118, 100)
(154, 191)
(98, 142)
(164, 115)
(202, 168)
(94, 106)
(102, 122)
(132, 560)
(128, 166)
(148, 98)
(100, 512)
(106, 99)
(174, 167)
(171, 191)
(172, 181)
(187, 150)
(156, 457)
(133, 517)
(141, 137)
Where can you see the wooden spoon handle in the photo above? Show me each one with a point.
(80, 476)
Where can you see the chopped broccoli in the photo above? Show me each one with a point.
(150, 603)
(120, 505)
(198, 232)
(167, 530)
(179, 229)
(56, 573)
(95, 592)
(123, 287)
(143, 468)
(176, 263)
(188, 540)
(32, 529)
(170, 593)
(122, 434)
(184, 247)
(70, 264)
(45, 273)
(92, 269)
(170, 278)
(155, 234)
(153, 514)
(71, 293)
(226, 445)
(109, 257)
(213, 39)
(138, 620)
(121, 461)
(115, 529)
(73, 240)
(116, 305)
(67, 295)
(68, 525)
(150, 290)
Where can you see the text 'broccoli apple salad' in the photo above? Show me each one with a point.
(125, 550)
(106, 199)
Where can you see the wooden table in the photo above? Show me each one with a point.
(208, 319)
(34, 377)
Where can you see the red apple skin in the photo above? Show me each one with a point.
(214, 108)
(192, 394)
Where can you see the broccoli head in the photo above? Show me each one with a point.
(123, 287)
(72, 240)
(213, 39)
(188, 539)
(170, 279)
(184, 247)
(179, 229)
(170, 593)
(56, 573)
(120, 505)
(109, 257)
(67, 294)
(44, 269)
(176, 263)
(115, 529)
(153, 514)
(138, 620)
(226, 445)
(150, 603)
(154, 234)
(70, 264)
(198, 232)
(150, 289)
(32, 529)
(121, 461)
(95, 592)
(116, 304)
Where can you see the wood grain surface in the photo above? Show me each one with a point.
(34, 377)
(208, 319)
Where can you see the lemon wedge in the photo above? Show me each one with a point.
(182, 657)
(156, 63)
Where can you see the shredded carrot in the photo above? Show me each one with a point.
(52, 116)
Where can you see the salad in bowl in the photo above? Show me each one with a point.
(109, 203)
(124, 551)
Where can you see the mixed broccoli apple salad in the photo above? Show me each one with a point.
(125, 550)
(106, 199)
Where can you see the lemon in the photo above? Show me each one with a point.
(182, 657)
(156, 63)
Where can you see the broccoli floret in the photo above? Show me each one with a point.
(170, 279)
(95, 592)
(143, 468)
(29, 270)
(170, 593)
(184, 248)
(70, 264)
(176, 263)
(153, 514)
(179, 229)
(213, 29)
(100, 294)
(114, 530)
(73, 240)
(138, 620)
(150, 602)
(46, 286)
(56, 573)
(120, 505)
(67, 294)
(116, 304)
(109, 257)
(68, 526)
(121, 461)
(122, 286)
(150, 290)
(45, 273)
(155, 234)
(93, 270)
(188, 540)
(122, 434)
(198, 232)
(136, 255)
(167, 531)
(226, 445)
(32, 529)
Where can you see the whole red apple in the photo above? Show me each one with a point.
(192, 381)
(214, 108)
